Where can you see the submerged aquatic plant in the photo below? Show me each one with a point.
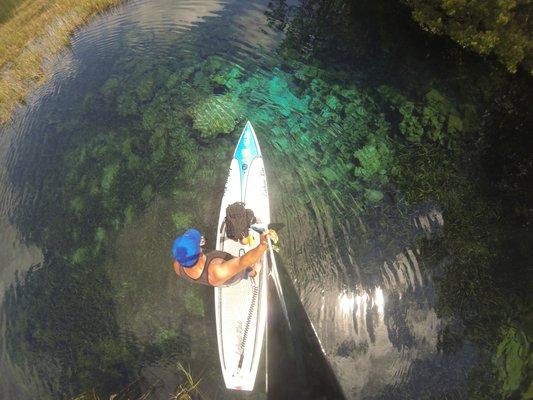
(110, 88)
(336, 130)
(194, 304)
(182, 220)
(109, 175)
(434, 118)
(126, 105)
(227, 77)
(214, 116)
(514, 364)
(374, 163)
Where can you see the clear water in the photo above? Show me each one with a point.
(397, 165)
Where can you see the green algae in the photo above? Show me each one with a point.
(110, 87)
(147, 193)
(81, 255)
(293, 116)
(127, 106)
(358, 125)
(145, 89)
(306, 72)
(280, 94)
(181, 220)
(129, 213)
(374, 163)
(109, 176)
(227, 77)
(193, 302)
(100, 234)
(513, 360)
(333, 102)
(374, 196)
(434, 118)
(215, 116)
(77, 205)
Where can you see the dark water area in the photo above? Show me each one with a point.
(398, 163)
(295, 349)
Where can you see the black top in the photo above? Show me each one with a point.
(203, 278)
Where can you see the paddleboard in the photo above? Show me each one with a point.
(241, 308)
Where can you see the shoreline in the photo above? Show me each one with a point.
(35, 31)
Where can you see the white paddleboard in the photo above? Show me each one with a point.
(241, 309)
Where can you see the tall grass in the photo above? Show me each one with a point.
(34, 31)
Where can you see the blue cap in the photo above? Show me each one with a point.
(186, 248)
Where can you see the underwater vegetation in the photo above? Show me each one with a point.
(217, 115)
(431, 152)
(70, 310)
(363, 146)
(375, 149)
(514, 363)
(455, 136)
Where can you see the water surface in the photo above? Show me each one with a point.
(401, 246)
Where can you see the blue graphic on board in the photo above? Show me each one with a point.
(247, 149)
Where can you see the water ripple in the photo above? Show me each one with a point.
(368, 303)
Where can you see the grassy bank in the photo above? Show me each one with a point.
(31, 32)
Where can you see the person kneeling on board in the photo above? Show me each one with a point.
(215, 268)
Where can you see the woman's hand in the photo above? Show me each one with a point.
(271, 233)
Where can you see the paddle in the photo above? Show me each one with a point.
(274, 271)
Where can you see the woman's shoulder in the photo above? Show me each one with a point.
(214, 254)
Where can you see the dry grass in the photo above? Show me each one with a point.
(36, 30)
(186, 391)
(190, 387)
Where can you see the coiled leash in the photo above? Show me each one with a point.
(255, 293)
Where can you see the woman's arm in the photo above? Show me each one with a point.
(220, 273)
